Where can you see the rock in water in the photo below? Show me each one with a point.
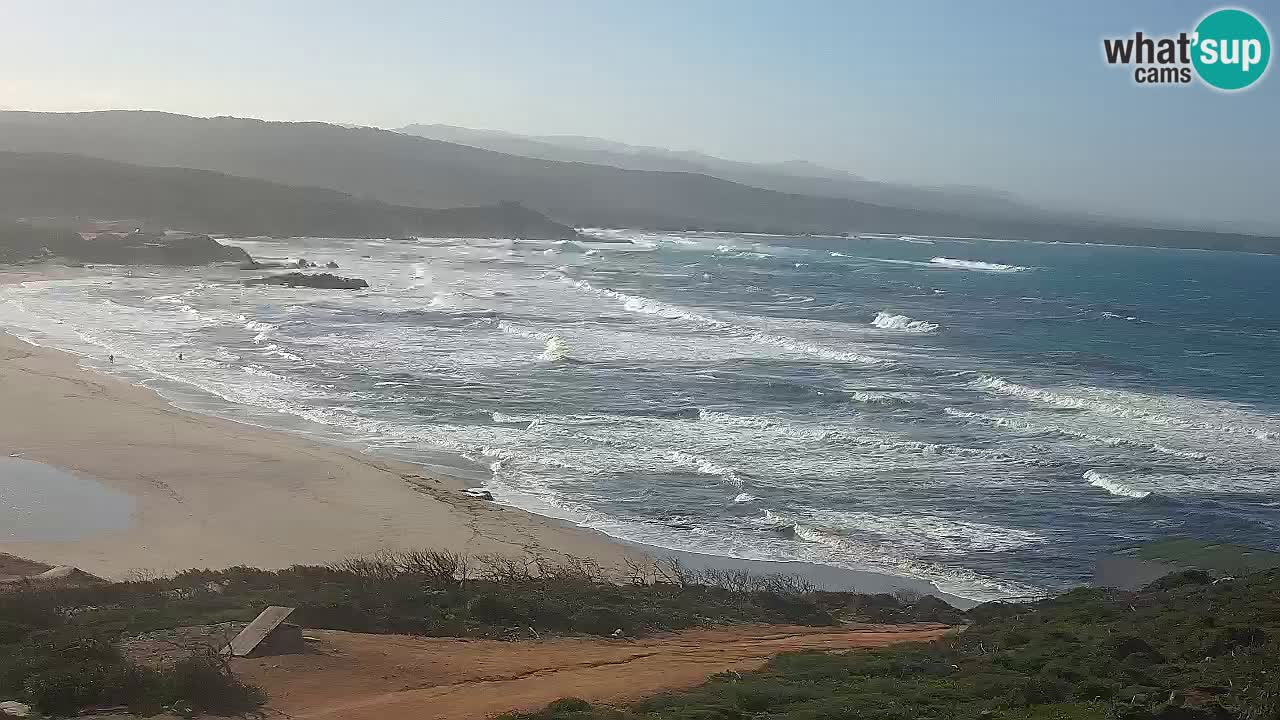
(324, 281)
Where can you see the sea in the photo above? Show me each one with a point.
(983, 414)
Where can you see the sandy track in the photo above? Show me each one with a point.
(394, 677)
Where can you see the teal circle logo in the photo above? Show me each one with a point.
(1231, 49)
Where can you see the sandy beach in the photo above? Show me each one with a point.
(214, 493)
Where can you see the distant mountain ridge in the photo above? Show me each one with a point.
(60, 185)
(791, 176)
(405, 170)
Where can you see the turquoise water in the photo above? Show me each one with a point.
(984, 415)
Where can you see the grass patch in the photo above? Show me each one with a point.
(1184, 648)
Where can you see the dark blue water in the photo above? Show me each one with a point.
(985, 415)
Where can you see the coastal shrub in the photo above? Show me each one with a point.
(204, 682)
(61, 672)
(440, 593)
(1090, 654)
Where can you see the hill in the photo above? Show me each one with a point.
(60, 185)
(794, 176)
(405, 170)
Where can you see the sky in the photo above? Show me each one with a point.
(1013, 96)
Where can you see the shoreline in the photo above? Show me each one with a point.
(213, 492)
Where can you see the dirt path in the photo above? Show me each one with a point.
(394, 677)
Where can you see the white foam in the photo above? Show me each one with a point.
(810, 348)
(975, 265)
(501, 417)
(1166, 411)
(274, 350)
(263, 330)
(649, 306)
(889, 543)
(511, 328)
(556, 349)
(882, 397)
(706, 467)
(864, 437)
(1013, 423)
(889, 321)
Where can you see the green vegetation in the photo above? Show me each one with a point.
(58, 649)
(1184, 648)
(62, 671)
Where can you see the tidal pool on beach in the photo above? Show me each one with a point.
(39, 503)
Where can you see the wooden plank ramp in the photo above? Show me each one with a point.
(257, 631)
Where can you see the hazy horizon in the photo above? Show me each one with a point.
(1014, 99)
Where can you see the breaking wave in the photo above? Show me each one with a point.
(1128, 405)
(649, 306)
(1038, 428)
(975, 265)
(889, 321)
(1114, 485)
(263, 330)
(707, 467)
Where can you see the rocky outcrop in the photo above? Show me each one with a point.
(324, 281)
(143, 249)
(20, 242)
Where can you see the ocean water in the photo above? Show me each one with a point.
(985, 415)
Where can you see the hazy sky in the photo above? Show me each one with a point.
(1010, 95)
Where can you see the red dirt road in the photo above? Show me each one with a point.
(395, 677)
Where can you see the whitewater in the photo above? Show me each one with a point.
(982, 414)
